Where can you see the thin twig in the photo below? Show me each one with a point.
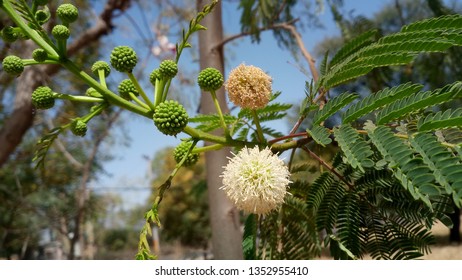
(290, 136)
(298, 39)
(323, 163)
(314, 72)
(72, 160)
(244, 34)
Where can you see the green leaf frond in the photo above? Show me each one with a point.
(432, 35)
(290, 233)
(356, 150)
(446, 168)
(349, 223)
(378, 100)
(353, 46)
(24, 10)
(451, 136)
(249, 239)
(330, 206)
(272, 111)
(441, 120)
(410, 170)
(392, 236)
(333, 106)
(211, 122)
(319, 189)
(418, 101)
(44, 144)
(320, 135)
(451, 22)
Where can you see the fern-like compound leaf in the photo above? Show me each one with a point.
(44, 144)
(441, 120)
(353, 46)
(446, 168)
(378, 100)
(418, 101)
(349, 223)
(211, 122)
(333, 106)
(434, 35)
(356, 150)
(249, 241)
(320, 135)
(413, 174)
(450, 22)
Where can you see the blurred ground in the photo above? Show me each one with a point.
(443, 250)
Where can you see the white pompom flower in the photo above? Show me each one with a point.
(256, 180)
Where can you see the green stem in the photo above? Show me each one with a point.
(159, 92)
(102, 78)
(220, 114)
(168, 182)
(165, 90)
(261, 138)
(31, 33)
(208, 148)
(77, 98)
(195, 133)
(198, 134)
(95, 112)
(137, 100)
(62, 47)
(140, 90)
(109, 95)
(29, 61)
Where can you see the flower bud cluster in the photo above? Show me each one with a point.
(181, 150)
(170, 117)
(123, 59)
(210, 79)
(42, 98)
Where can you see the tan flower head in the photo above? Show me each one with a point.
(249, 87)
(256, 181)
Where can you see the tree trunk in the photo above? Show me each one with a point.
(454, 233)
(224, 217)
(22, 117)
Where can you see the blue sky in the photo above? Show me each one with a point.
(130, 170)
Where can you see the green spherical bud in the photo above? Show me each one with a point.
(181, 150)
(155, 74)
(123, 59)
(41, 2)
(210, 79)
(101, 65)
(168, 69)
(61, 32)
(126, 87)
(42, 16)
(79, 127)
(39, 55)
(13, 65)
(93, 93)
(42, 98)
(68, 13)
(9, 35)
(170, 117)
